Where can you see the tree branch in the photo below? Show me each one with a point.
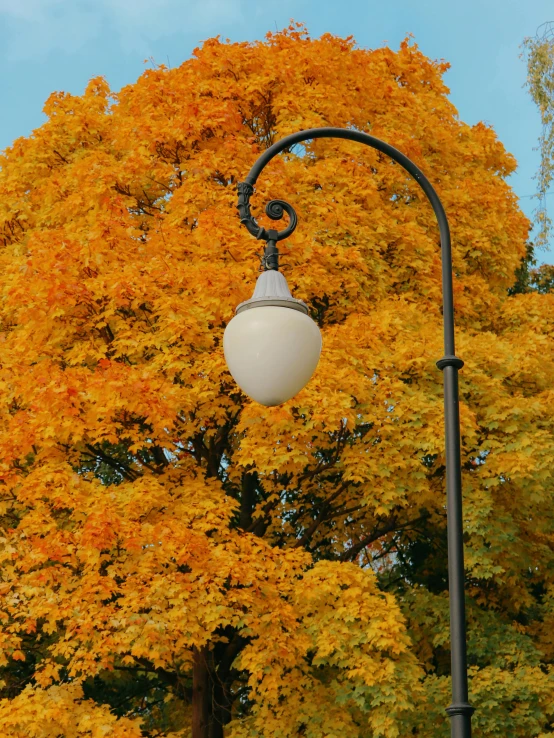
(392, 525)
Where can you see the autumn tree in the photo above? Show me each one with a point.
(539, 55)
(177, 560)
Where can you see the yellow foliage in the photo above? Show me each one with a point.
(160, 531)
(61, 710)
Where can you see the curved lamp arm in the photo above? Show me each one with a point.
(460, 710)
(275, 208)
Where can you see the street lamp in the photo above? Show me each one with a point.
(272, 348)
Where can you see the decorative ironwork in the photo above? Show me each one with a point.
(274, 210)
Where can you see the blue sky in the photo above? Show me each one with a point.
(48, 45)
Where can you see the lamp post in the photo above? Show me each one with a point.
(272, 348)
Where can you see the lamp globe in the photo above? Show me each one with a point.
(272, 346)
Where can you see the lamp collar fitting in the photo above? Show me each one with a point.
(272, 290)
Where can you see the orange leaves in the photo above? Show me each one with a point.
(150, 512)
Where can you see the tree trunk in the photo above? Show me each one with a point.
(211, 703)
(221, 709)
(212, 678)
(201, 693)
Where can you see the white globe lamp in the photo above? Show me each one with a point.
(272, 346)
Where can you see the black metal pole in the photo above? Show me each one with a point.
(459, 711)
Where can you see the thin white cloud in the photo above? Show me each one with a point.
(36, 28)
(139, 21)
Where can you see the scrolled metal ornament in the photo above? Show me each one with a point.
(274, 210)
(245, 191)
